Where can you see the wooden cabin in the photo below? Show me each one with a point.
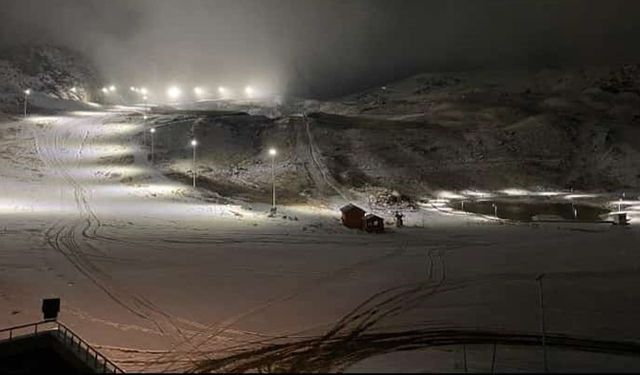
(373, 223)
(352, 216)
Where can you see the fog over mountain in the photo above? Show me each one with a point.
(322, 48)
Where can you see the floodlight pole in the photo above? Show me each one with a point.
(153, 158)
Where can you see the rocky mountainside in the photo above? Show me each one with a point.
(50, 72)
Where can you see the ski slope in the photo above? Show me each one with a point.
(159, 275)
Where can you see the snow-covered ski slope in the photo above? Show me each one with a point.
(159, 275)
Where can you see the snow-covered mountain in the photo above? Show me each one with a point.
(53, 75)
(549, 129)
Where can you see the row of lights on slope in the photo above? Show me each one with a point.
(174, 92)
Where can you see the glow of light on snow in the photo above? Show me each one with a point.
(29, 206)
(310, 210)
(103, 150)
(43, 119)
(548, 193)
(624, 202)
(136, 188)
(477, 193)
(436, 205)
(123, 128)
(580, 196)
(86, 113)
(515, 192)
(443, 194)
(99, 174)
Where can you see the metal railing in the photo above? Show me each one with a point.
(74, 342)
(10, 332)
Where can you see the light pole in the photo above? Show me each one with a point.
(542, 322)
(272, 153)
(194, 144)
(152, 131)
(27, 92)
(146, 107)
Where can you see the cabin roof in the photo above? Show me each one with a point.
(351, 207)
(370, 216)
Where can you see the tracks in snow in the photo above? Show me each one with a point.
(75, 238)
(314, 153)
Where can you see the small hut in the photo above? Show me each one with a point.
(352, 216)
(373, 223)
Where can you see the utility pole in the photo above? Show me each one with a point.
(542, 322)
(493, 359)
(464, 353)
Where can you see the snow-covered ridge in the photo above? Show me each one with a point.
(53, 74)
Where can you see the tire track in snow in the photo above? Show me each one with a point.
(216, 329)
(63, 236)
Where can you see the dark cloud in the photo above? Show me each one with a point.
(323, 47)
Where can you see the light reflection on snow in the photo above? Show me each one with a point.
(119, 129)
(448, 195)
(43, 119)
(513, 191)
(580, 196)
(548, 193)
(477, 193)
(27, 206)
(87, 113)
(116, 172)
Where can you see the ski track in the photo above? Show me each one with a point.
(76, 239)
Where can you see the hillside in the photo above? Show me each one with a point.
(553, 129)
(50, 72)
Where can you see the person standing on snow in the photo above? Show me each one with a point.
(399, 217)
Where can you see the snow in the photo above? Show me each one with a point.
(156, 273)
(58, 78)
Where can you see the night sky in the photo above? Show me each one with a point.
(323, 48)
